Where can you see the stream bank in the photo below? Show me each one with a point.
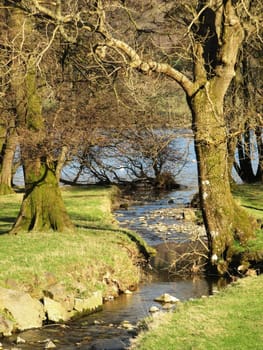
(120, 318)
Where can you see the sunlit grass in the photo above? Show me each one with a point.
(230, 320)
(251, 197)
(96, 247)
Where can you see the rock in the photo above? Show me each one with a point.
(168, 306)
(128, 292)
(127, 325)
(154, 309)
(26, 311)
(166, 298)
(6, 326)
(58, 293)
(89, 304)
(108, 344)
(20, 340)
(56, 312)
(50, 345)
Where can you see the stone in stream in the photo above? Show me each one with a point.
(22, 308)
(50, 345)
(167, 298)
(55, 311)
(108, 344)
(154, 309)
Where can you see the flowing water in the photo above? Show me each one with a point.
(106, 329)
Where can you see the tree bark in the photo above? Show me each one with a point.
(42, 208)
(7, 157)
(224, 220)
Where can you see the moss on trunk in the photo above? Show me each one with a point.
(225, 221)
(42, 208)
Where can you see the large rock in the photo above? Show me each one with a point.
(23, 309)
(58, 293)
(56, 312)
(89, 304)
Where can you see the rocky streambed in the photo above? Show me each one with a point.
(162, 225)
(166, 226)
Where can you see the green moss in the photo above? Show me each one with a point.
(34, 103)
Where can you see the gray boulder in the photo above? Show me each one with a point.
(23, 309)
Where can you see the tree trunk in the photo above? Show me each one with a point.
(7, 163)
(42, 208)
(61, 162)
(224, 220)
(259, 136)
(245, 148)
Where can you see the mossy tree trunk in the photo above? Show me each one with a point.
(216, 56)
(6, 162)
(42, 207)
(224, 220)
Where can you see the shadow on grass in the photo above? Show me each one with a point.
(6, 224)
(251, 207)
(142, 246)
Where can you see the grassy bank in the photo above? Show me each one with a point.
(230, 320)
(84, 260)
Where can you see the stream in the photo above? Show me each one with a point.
(119, 321)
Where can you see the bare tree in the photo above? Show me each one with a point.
(215, 32)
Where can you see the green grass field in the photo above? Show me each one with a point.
(97, 247)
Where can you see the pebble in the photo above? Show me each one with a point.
(50, 345)
(20, 340)
(167, 298)
(154, 309)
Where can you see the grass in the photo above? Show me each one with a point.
(95, 249)
(251, 198)
(230, 320)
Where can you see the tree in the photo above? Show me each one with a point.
(8, 137)
(215, 30)
(42, 207)
(245, 109)
(216, 35)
